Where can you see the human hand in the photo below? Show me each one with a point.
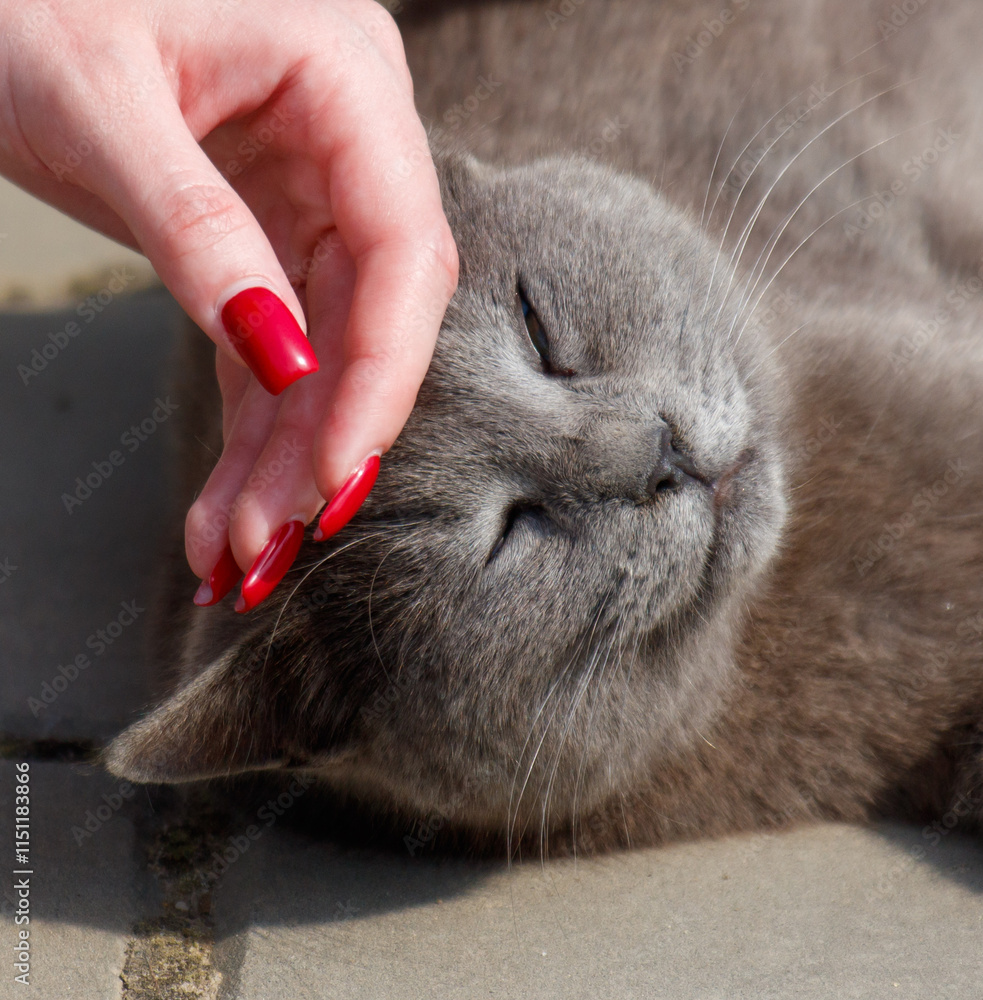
(250, 144)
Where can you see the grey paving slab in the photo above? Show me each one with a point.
(87, 885)
(828, 911)
(83, 497)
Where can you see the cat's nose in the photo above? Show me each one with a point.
(672, 468)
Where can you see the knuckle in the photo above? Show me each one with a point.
(444, 251)
(382, 28)
(367, 368)
(197, 216)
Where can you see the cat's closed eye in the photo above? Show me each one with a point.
(538, 337)
(522, 517)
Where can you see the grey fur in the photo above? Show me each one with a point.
(630, 664)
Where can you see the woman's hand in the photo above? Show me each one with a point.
(251, 147)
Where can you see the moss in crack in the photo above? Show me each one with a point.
(170, 957)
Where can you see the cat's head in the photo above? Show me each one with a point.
(540, 596)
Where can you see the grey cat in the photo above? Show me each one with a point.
(683, 536)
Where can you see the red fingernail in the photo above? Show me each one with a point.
(271, 565)
(220, 581)
(266, 335)
(348, 499)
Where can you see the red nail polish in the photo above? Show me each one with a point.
(220, 581)
(348, 499)
(266, 335)
(271, 565)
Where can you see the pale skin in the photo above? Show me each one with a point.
(240, 143)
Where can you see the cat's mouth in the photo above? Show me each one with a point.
(727, 488)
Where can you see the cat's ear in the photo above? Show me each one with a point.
(221, 723)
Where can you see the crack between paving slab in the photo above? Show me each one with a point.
(62, 751)
(170, 956)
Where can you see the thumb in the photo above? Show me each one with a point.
(204, 243)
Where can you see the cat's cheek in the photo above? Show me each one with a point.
(750, 529)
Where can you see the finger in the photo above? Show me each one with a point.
(202, 240)
(207, 524)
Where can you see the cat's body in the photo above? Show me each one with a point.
(529, 631)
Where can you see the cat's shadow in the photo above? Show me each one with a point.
(312, 866)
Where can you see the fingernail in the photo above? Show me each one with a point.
(267, 337)
(271, 565)
(348, 499)
(220, 581)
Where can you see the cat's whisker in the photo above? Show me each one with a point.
(774, 239)
(735, 256)
(704, 218)
(792, 100)
(747, 312)
(373, 533)
(582, 688)
(300, 583)
(599, 698)
(550, 696)
(747, 180)
(778, 346)
(756, 213)
(372, 635)
(515, 802)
